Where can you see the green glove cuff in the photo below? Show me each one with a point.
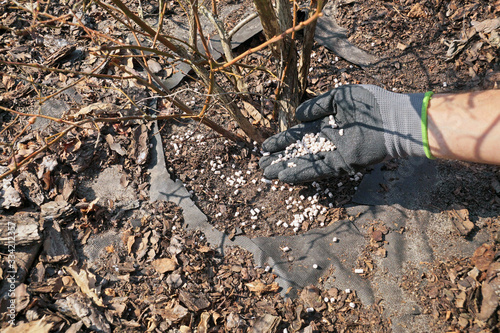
(425, 138)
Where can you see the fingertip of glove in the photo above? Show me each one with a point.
(265, 161)
(305, 111)
(266, 145)
(271, 173)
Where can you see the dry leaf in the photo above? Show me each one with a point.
(204, 249)
(185, 329)
(486, 26)
(266, 323)
(259, 287)
(418, 10)
(255, 114)
(114, 146)
(203, 326)
(110, 292)
(92, 206)
(311, 298)
(174, 312)
(97, 109)
(37, 326)
(460, 217)
(164, 265)
(483, 257)
(381, 252)
(130, 243)
(490, 299)
(86, 281)
(401, 46)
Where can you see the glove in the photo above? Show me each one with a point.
(366, 123)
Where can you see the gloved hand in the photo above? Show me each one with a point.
(373, 125)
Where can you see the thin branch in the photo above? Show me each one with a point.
(298, 27)
(73, 84)
(27, 159)
(65, 71)
(226, 46)
(144, 26)
(165, 92)
(241, 24)
(57, 120)
(200, 30)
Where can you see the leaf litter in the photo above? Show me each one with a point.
(160, 277)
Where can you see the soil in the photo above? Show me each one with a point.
(162, 277)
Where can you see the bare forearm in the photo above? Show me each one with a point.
(465, 126)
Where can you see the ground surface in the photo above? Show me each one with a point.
(159, 276)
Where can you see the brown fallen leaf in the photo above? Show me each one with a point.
(377, 236)
(266, 324)
(483, 256)
(490, 299)
(381, 252)
(59, 54)
(459, 216)
(486, 26)
(255, 114)
(203, 326)
(204, 249)
(37, 326)
(115, 146)
(232, 321)
(401, 46)
(185, 329)
(98, 109)
(460, 300)
(259, 287)
(418, 10)
(194, 302)
(130, 243)
(311, 298)
(164, 265)
(86, 281)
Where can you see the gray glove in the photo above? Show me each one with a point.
(373, 125)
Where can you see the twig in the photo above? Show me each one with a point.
(165, 92)
(66, 71)
(27, 159)
(200, 30)
(42, 100)
(163, 7)
(298, 27)
(241, 24)
(144, 26)
(57, 120)
(226, 46)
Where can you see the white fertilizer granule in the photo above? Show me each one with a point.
(310, 144)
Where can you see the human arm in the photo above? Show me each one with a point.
(375, 124)
(465, 126)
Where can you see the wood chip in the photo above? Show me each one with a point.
(164, 265)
